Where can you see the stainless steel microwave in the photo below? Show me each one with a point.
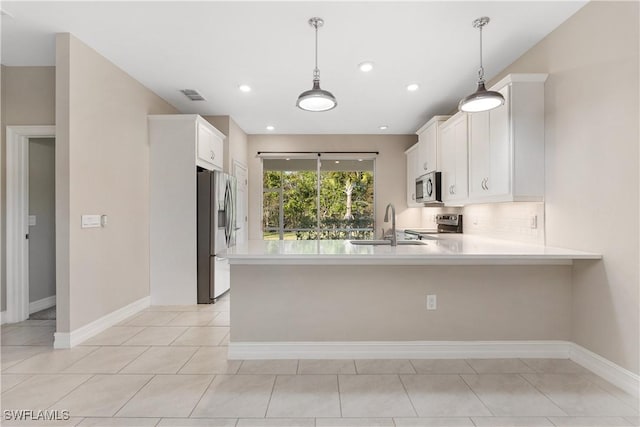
(428, 189)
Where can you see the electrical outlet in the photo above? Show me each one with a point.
(432, 302)
(533, 222)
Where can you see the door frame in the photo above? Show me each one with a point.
(17, 197)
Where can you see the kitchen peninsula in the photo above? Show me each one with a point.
(333, 299)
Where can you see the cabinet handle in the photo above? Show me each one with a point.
(213, 155)
(486, 183)
(453, 188)
(413, 196)
(424, 166)
(483, 184)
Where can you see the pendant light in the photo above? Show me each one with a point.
(316, 99)
(482, 99)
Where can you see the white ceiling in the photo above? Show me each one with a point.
(215, 46)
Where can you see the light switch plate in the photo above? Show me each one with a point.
(32, 220)
(432, 302)
(90, 221)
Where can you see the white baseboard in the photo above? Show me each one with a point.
(615, 374)
(75, 337)
(42, 304)
(399, 350)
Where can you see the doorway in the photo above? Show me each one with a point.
(30, 196)
(42, 229)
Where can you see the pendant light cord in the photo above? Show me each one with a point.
(481, 69)
(316, 71)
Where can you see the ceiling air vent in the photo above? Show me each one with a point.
(192, 94)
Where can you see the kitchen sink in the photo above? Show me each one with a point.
(370, 242)
(386, 242)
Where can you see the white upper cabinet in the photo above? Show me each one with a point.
(412, 171)
(506, 144)
(429, 145)
(210, 146)
(427, 151)
(454, 160)
(424, 156)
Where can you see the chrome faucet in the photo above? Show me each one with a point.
(394, 242)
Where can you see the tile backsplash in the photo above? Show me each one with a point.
(509, 221)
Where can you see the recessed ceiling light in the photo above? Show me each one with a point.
(359, 160)
(287, 158)
(337, 161)
(413, 87)
(365, 67)
(383, 127)
(270, 127)
(244, 88)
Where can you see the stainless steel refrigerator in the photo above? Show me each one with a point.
(216, 232)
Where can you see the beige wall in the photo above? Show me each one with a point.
(591, 194)
(238, 146)
(388, 303)
(390, 174)
(103, 152)
(42, 204)
(28, 98)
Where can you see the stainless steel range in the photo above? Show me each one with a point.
(447, 223)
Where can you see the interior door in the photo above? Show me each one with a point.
(242, 202)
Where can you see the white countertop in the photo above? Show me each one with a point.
(448, 249)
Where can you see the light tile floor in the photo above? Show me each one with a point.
(168, 366)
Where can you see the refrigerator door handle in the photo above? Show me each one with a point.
(227, 213)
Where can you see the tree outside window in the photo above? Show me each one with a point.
(294, 209)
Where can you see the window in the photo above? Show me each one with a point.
(318, 198)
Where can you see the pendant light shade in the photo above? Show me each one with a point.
(316, 99)
(482, 99)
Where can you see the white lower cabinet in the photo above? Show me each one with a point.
(506, 144)
(454, 160)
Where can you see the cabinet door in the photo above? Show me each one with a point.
(454, 147)
(209, 147)
(479, 154)
(448, 167)
(461, 188)
(499, 181)
(428, 150)
(412, 171)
